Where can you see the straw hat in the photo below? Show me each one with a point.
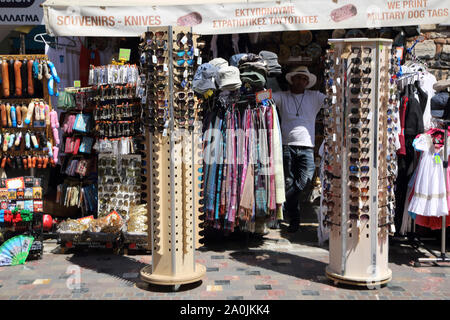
(304, 71)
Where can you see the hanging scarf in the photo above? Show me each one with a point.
(260, 166)
(271, 189)
(211, 187)
(278, 159)
(220, 164)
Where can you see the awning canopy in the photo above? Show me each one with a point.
(132, 17)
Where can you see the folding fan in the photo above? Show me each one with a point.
(15, 250)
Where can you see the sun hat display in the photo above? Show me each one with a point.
(256, 78)
(234, 60)
(303, 70)
(271, 59)
(305, 37)
(204, 78)
(290, 38)
(218, 63)
(228, 78)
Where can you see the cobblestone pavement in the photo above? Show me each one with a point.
(277, 267)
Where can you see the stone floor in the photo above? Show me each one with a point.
(276, 267)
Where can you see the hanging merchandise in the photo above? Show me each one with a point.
(29, 135)
(360, 168)
(244, 180)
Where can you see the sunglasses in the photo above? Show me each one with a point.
(182, 103)
(359, 80)
(358, 120)
(183, 39)
(183, 94)
(181, 62)
(356, 70)
(357, 198)
(359, 160)
(359, 190)
(355, 169)
(359, 150)
(360, 100)
(158, 69)
(359, 90)
(187, 53)
(364, 209)
(357, 140)
(359, 111)
(358, 50)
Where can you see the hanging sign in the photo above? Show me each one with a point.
(263, 95)
(77, 83)
(21, 12)
(73, 19)
(124, 54)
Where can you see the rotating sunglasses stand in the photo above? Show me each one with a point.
(360, 163)
(173, 156)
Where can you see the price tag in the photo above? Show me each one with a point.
(334, 89)
(124, 54)
(185, 73)
(165, 68)
(369, 116)
(334, 137)
(77, 84)
(333, 99)
(337, 61)
(196, 52)
(199, 60)
(154, 59)
(263, 95)
(184, 40)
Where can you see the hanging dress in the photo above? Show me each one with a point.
(429, 197)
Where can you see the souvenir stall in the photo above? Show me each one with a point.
(226, 85)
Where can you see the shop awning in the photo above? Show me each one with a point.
(132, 17)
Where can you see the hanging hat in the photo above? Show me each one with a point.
(228, 78)
(218, 63)
(304, 71)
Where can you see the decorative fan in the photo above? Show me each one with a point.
(15, 250)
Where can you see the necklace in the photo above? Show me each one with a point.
(300, 106)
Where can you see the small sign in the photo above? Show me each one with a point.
(15, 183)
(399, 53)
(77, 84)
(124, 54)
(263, 95)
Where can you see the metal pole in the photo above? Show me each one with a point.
(172, 169)
(344, 177)
(445, 165)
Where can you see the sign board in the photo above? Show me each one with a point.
(132, 19)
(21, 12)
(124, 54)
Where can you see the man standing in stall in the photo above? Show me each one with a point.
(298, 109)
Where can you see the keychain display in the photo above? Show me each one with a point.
(113, 74)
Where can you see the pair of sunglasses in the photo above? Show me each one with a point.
(358, 60)
(357, 140)
(355, 169)
(359, 179)
(356, 70)
(359, 160)
(363, 217)
(359, 90)
(364, 209)
(359, 150)
(364, 121)
(359, 80)
(360, 100)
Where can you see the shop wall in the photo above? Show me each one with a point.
(434, 50)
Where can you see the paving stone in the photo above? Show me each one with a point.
(439, 275)
(263, 287)
(253, 273)
(235, 298)
(396, 288)
(212, 269)
(217, 257)
(25, 281)
(310, 293)
(222, 282)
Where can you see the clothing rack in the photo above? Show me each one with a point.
(442, 257)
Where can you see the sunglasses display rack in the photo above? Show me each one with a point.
(359, 171)
(173, 154)
(29, 126)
